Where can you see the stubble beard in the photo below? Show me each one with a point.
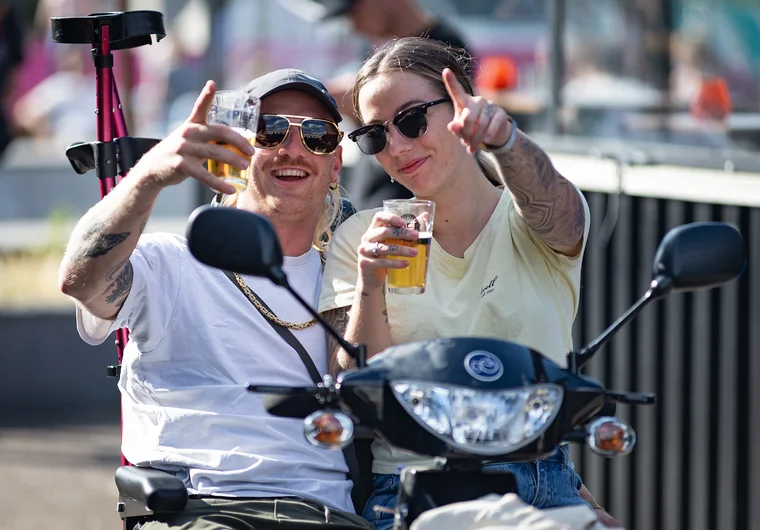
(288, 208)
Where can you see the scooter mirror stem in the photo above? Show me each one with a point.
(357, 351)
(576, 360)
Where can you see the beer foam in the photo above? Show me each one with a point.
(246, 133)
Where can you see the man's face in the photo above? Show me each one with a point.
(288, 180)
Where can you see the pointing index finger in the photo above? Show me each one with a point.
(455, 89)
(203, 104)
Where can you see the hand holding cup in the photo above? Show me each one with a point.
(233, 109)
(395, 249)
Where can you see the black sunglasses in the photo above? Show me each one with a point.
(321, 137)
(410, 122)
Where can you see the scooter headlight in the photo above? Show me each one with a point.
(482, 422)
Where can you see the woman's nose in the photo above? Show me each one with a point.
(397, 142)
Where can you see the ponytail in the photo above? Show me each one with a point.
(488, 168)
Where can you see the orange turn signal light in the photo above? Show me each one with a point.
(331, 429)
(609, 436)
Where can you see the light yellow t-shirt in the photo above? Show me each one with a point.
(509, 285)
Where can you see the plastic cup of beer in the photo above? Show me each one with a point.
(419, 215)
(241, 112)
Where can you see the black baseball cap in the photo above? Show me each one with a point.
(292, 79)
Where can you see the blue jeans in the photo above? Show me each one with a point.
(546, 483)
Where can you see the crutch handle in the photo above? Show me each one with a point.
(108, 158)
(129, 29)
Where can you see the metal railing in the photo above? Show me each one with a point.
(693, 468)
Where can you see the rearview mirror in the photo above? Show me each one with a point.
(699, 256)
(235, 240)
(690, 257)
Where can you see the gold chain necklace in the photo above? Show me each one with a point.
(265, 312)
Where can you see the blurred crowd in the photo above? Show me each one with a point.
(49, 88)
(617, 54)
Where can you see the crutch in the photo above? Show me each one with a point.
(142, 491)
(114, 152)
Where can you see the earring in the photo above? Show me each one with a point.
(333, 186)
(392, 181)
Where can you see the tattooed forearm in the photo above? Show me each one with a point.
(337, 359)
(95, 243)
(547, 201)
(94, 270)
(121, 286)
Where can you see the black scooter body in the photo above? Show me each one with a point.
(452, 361)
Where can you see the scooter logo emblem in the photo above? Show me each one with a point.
(483, 365)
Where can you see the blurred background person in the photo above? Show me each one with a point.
(366, 183)
(59, 108)
(696, 80)
(11, 55)
(54, 98)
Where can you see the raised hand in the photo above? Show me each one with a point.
(181, 154)
(476, 121)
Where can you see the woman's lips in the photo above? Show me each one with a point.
(412, 166)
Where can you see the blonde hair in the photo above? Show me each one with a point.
(330, 212)
(427, 58)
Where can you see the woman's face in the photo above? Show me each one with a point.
(420, 164)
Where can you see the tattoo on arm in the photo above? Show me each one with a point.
(547, 201)
(338, 320)
(121, 286)
(97, 244)
(115, 270)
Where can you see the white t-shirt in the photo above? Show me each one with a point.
(509, 285)
(195, 341)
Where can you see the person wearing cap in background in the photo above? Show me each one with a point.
(196, 339)
(367, 183)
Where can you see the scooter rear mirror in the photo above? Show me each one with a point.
(699, 255)
(690, 257)
(235, 240)
(244, 242)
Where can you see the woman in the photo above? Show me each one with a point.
(507, 242)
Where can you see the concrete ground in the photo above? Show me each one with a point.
(59, 477)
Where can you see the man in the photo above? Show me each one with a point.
(368, 184)
(195, 339)
(389, 19)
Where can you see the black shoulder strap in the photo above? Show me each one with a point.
(287, 336)
(348, 452)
